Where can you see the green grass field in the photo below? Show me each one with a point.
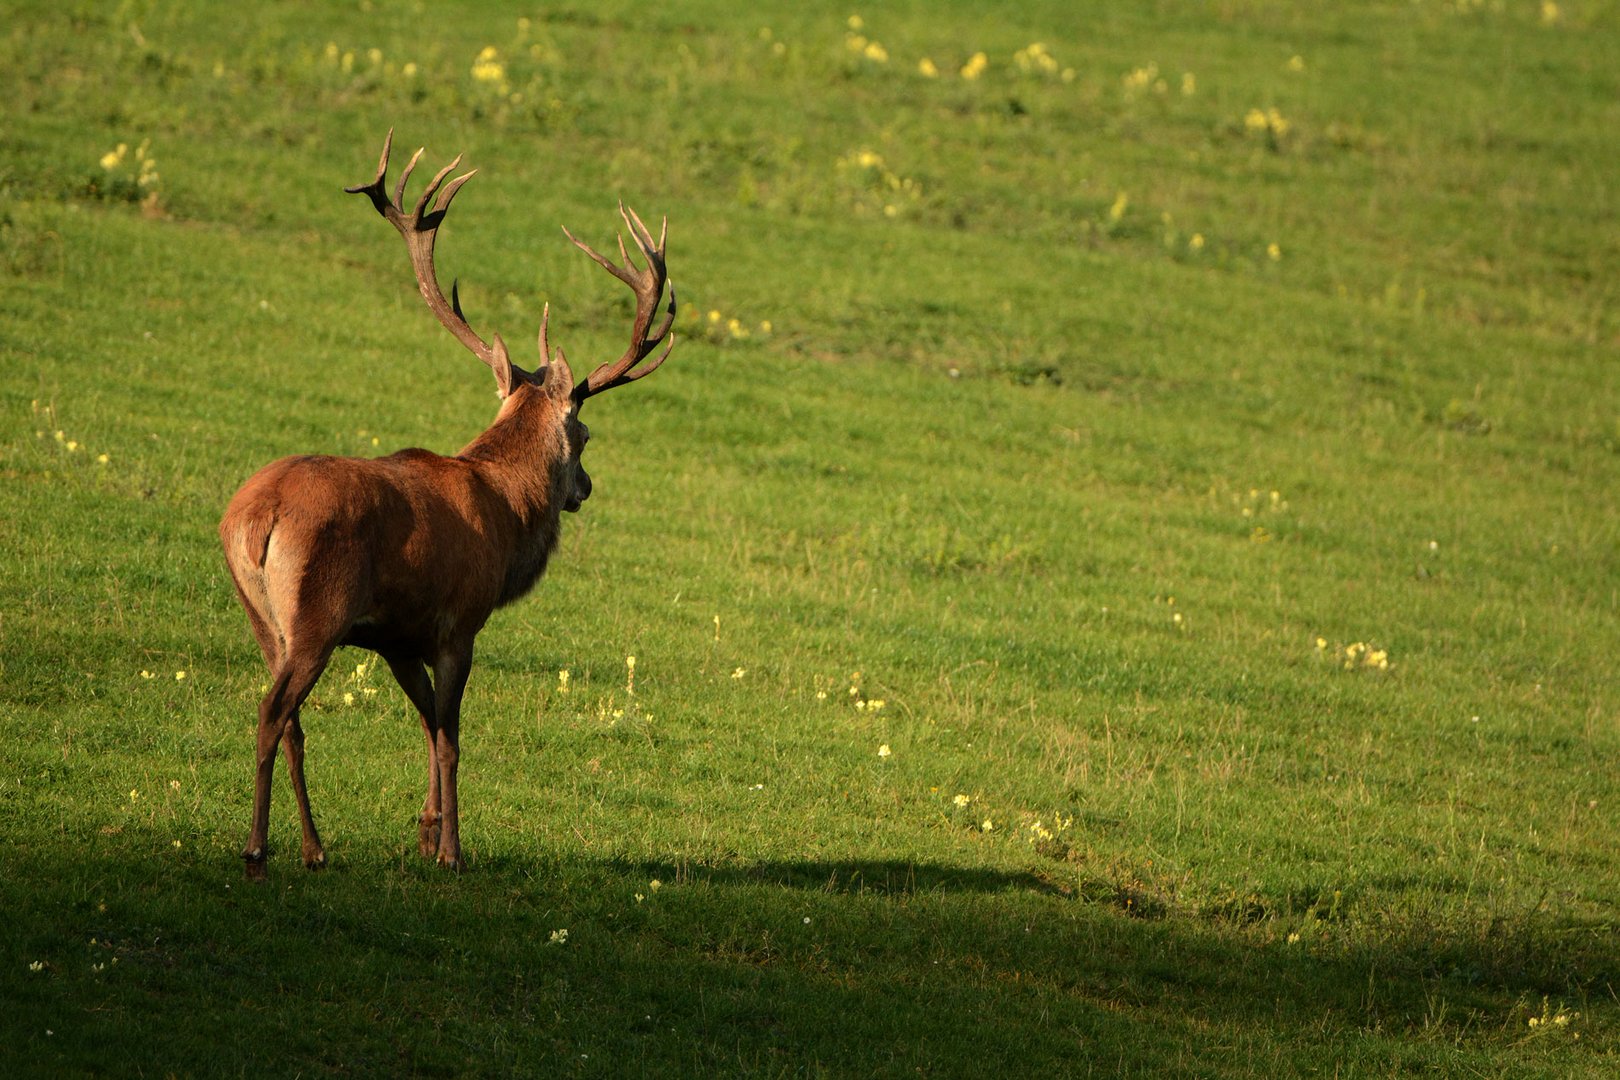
(1122, 567)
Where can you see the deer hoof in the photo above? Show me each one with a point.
(451, 862)
(427, 838)
(253, 864)
(315, 861)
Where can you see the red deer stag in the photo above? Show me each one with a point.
(408, 555)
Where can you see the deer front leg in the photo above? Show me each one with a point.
(450, 679)
(428, 822)
(412, 676)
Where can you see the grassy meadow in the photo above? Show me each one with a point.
(1122, 566)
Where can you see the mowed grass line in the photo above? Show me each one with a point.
(1098, 531)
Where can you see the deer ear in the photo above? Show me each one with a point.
(559, 376)
(501, 365)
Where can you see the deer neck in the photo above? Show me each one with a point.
(523, 457)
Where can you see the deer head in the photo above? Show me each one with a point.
(551, 385)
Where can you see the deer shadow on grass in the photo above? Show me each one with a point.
(884, 877)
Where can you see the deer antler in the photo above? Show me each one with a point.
(648, 286)
(420, 228)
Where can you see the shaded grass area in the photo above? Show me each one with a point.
(774, 967)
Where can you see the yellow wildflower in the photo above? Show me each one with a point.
(1034, 57)
(488, 67)
(926, 68)
(1268, 120)
(1140, 79)
(975, 66)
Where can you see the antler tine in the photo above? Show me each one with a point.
(443, 205)
(636, 370)
(375, 189)
(382, 162)
(404, 177)
(669, 318)
(647, 369)
(643, 237)
(433, 186)
(545, 346)
(617, 271)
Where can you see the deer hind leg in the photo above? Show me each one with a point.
(412, 676)
(278, 717)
